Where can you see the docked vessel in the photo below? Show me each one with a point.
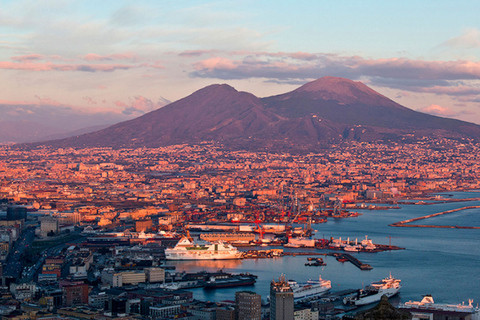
(428, 306)
(233, 281)
(310, 290)
(374, 292)
(189, 250)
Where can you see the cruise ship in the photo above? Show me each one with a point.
(428, 306)
(310, 290)
(189, 250)
(374, 292)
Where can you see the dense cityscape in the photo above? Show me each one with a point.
(239, 160)
(86, 233)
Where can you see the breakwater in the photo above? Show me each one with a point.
(405, 223)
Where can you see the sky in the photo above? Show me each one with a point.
(107, 61)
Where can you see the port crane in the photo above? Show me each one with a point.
(337, 207)
(259, 218)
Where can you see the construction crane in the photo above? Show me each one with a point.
(390, 240)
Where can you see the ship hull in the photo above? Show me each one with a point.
(310, 290)
(188, 250)
(203, 256)
(376, 297)
(230, 283)
(310, 295)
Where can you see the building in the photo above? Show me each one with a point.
(74, 293)
(155, 275)
(248, 305)
(98, 300)
(114, 279)
(16, 213)
(48, 225)
(202, 310)
(281, 300)
(23, 291)
(226, 313)
(133, 277)
(305, 314)
(143, 225)
(164, 311)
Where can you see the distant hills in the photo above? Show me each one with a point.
(326, 110)
(46, 119)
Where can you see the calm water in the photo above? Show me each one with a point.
(441, 262)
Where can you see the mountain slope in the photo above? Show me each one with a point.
(326, 110)
(215, 112)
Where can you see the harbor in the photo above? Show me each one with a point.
(435, 251)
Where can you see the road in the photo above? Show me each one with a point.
(13, 266)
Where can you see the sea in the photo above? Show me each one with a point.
(443, 262)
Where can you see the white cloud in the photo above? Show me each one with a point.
(469, 39)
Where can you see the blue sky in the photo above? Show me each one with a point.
(119, 58)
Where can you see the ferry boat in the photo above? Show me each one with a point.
(374, 292)
(310, 290)
(427, 305)
(189, 250)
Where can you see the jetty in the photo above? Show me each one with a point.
(348, 257)
(405, 223)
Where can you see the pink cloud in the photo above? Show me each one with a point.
(36, 56)
(120, 104)
(453, 91)
(48, 66)
(156, 65)
(436, 77)
(17, 103)
(48, 101)
(102, 87)
(140, 105)
(28, 57)
(216, 63)
(196, 53)
(437, 110)
(355, 66)
(115, 56)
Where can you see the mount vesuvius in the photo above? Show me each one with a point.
(326, 110)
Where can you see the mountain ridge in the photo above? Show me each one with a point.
(326, 110)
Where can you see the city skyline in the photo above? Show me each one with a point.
(114, 60)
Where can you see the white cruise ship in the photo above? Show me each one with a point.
(427, 306)
(188, 250)
(309, 290)
(374, 292)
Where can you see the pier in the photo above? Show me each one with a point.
(353, 260)
(404, 223)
